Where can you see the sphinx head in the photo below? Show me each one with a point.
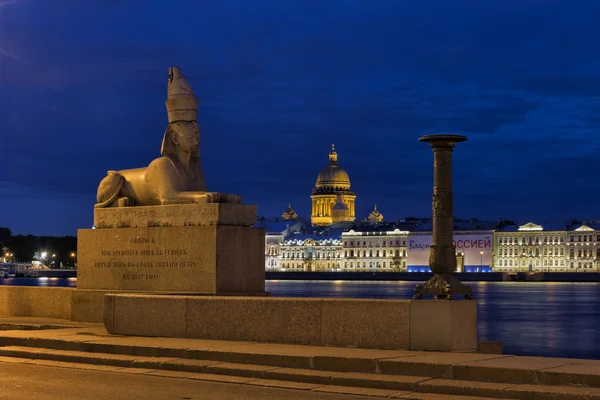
(181, 137)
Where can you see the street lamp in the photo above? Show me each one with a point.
(481, 258)
(73, 258)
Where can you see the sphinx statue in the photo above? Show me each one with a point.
(174, 178)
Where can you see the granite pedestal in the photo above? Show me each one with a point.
(192, 249)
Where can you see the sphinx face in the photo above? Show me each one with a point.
(189, 138)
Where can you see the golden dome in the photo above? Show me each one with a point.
(333, 176)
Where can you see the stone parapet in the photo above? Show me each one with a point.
(51, 302)
(379, 324)
(175, 215)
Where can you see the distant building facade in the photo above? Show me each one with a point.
(547, 248)
(310, 254)
(391, 247)
(374, 250)
(583, 247)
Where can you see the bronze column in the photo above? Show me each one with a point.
(442, 255)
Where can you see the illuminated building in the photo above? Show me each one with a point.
(473, 240)
(273, 251)
(375, 216)
(311, 253)
(583, 247)
(275, 233)
(332, 199)
(289, 214)
(530, 248)
(372, 249)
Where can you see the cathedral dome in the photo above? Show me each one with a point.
(333, 177)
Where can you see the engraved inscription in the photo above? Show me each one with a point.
(180, 215)
(139, 260)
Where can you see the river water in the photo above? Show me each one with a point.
(540, 319)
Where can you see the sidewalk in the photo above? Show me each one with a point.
(383, 373)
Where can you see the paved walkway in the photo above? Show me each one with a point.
(32, 382)
(383, 373)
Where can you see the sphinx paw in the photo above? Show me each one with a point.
(126, 202)
(213, 197)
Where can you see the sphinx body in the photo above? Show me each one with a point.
(174, 178)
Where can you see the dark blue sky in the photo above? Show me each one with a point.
(82, 85)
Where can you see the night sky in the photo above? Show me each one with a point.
(83, 84)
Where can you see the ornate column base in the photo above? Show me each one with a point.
(443, 286)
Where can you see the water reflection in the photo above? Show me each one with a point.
(44, 281)
(542, 319)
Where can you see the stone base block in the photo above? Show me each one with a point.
(87, 305)
(379, 324)
(206, 259)
(175, 215)
(443, 325)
